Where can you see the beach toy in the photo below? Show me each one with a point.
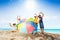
(21, 21)
(30, 19)
(20, 26)
(17, 25)
(29, 28)
(24, 19)
(25, 27)
(31, 23)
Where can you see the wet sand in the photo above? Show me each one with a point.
(15, 35)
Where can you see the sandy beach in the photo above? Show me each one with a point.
(15, 35)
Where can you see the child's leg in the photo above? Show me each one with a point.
(42, 27)
(42, 30)
(36, 27)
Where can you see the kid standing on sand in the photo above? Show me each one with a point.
(35, 23)
(41, 22)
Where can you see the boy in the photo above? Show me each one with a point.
(35, 23)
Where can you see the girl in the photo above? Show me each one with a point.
(41, 22)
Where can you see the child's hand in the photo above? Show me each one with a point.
(18, 17)
(42, 14)
(35, 14)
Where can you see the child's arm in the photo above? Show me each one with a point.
(36, 15)
(18, 17)
(42, 14)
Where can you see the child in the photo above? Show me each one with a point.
(41, 22)
(36, 22)
(14, 25)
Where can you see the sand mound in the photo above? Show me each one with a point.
(15, 35)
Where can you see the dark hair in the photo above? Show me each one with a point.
(39, 16)
(14, 23)
(34, 16)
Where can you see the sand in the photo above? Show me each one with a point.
(15, 35)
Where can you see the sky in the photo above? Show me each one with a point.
(9, 9)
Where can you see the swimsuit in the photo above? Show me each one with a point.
(41, 22)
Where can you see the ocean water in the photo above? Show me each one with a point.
(55, 31)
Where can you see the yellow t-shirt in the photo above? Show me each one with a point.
(36, 20)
